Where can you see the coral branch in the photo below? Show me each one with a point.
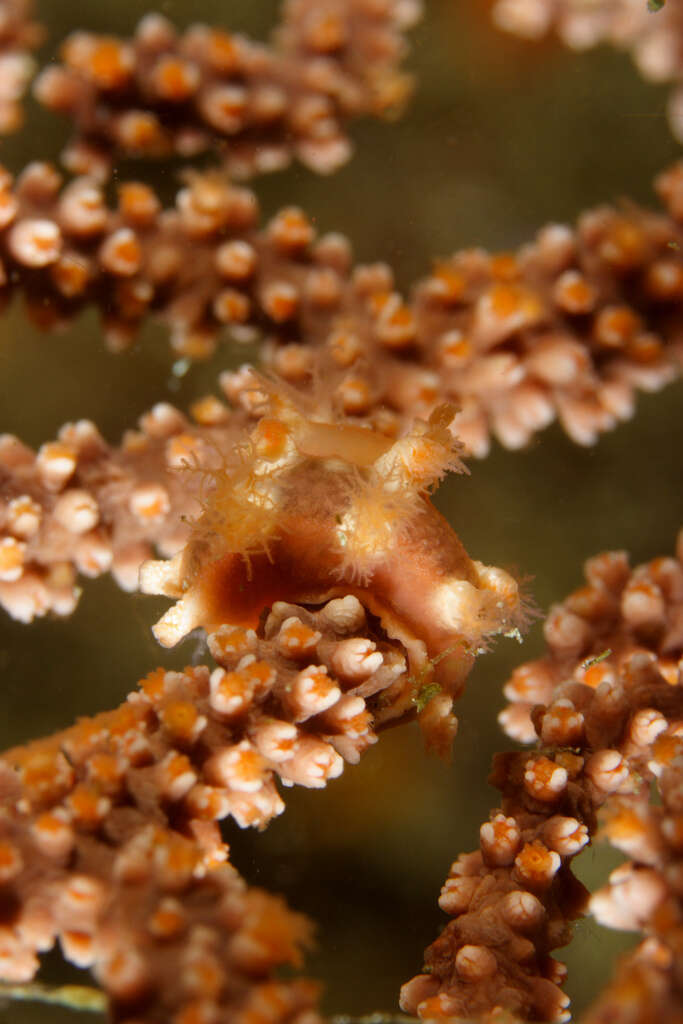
(162, 93)
(570, 326)
(295, 529)
(108, 839)
(79, 505)
(605, 708)
(168, 937)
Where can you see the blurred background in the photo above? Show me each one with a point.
(500, 137)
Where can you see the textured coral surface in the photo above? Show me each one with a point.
(481, 158)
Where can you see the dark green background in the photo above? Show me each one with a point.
(500, 137)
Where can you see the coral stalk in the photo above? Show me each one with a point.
(569, 327)
(80, 506)
(605, 709)
(108, 836)
(170, 934)
(161, 92)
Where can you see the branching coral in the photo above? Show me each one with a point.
(295, 527)
(605, 708)
(567, 327)
(109, 841)
(161, 93)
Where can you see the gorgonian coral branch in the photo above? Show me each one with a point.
(108, 835)
(568, 327)
(291, 700)
(170, 930)
(162, 92)
(19, 34)
(79, 505)
(605, 708)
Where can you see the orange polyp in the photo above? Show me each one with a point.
(129, 250)
(180, 450)
(291, 229)
(180, 718)
(624, 244)
(107, 64)
(457, 349)
(166, 922)
(105, 770)
(396, 327)
(71, 275)
(209, 411)
(231, 306)
(10, 860)
(596, 674)
(260, 673)
(536, 864)
(174, 79)
(664, 280)
(666, 748)
(576, 295)
(508, 300)
(377, 301)
(624, 824)
(296, 636)
(8, 207)
(645, 348)
(355, 395)
(327, 33)
(222, 51)
(402, 317)
(137, 203)
(87, 806)
(236, 641)
(123, 720)
(344, 346)
(452, 284)
(141, 130)
(280, 301)
(153, 684)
